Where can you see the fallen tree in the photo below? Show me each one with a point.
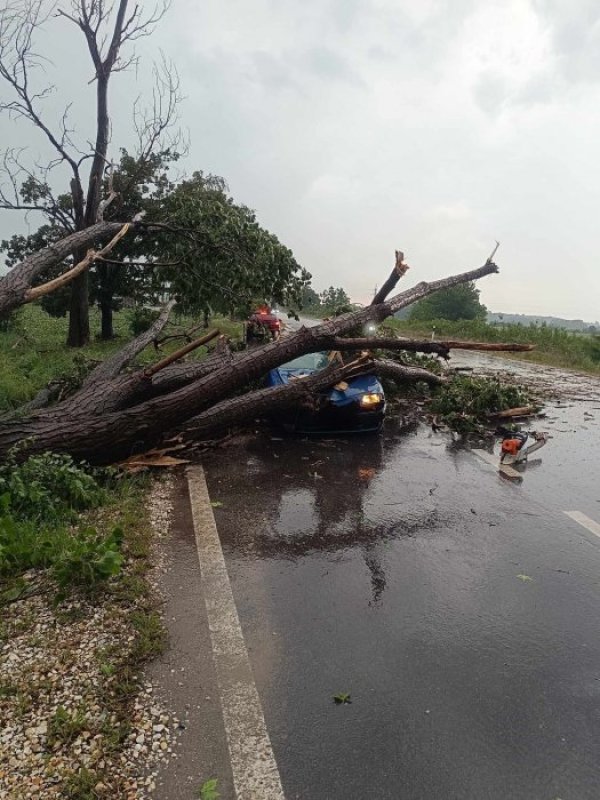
(116, 413)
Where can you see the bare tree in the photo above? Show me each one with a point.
(108, 29)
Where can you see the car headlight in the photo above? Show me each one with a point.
(371, 399)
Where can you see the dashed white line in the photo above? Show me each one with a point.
(255, 771)
(591, 525)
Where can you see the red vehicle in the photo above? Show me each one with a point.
(263, 323)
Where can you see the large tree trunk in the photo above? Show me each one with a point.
(105, 279)
(106, 319)
(79, 312)
(90, 427)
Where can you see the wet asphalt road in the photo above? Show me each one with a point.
(458, 609)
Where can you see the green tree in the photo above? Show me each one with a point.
(222, 259)
(211, 254)
(309, 299)
(136, 183)
(335, 299)
(458, 302)
(108, 30)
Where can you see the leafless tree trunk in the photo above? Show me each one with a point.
(107, 28)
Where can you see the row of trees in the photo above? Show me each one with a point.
(212, 255)
(207, 251)
(457, 302)
(331, 300)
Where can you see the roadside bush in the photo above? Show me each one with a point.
(89, 560)
(49, 487)
(38, 500)
(76, 558)
(594, 348)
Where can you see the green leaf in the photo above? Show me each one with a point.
(15, 592)
(208, 790)
(524, 578)
(342, 698)
(216, 504)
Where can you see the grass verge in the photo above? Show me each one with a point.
(553, 346)
(33, 350)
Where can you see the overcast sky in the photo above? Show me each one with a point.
(355, 127)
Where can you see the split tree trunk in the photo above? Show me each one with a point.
(87, 428)
(15, 285)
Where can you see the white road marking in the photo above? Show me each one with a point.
(586, 522)
(255, 772)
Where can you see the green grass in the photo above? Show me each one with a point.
(554, 346)
(80, 785)
(126, 595)
(33, 351)
(65, 726)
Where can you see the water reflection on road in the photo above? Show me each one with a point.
(458, 609)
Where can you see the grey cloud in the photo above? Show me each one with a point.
(491, 93)
(327, 64)
(290, 69)
(349, 124)
(274, 72)
(575, 31)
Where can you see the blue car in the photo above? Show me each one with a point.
(355, 406)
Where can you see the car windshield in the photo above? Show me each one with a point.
(312, 361)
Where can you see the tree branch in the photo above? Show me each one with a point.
(400, 372)
(71, 274)
(400, 269)
(16, 283)
(183, 351)
(113, 365)
(16, 33)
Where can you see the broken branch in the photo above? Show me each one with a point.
(67, 277)
(183, 351)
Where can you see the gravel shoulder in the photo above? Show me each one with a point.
(79, 718)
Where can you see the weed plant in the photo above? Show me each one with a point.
(39, 501)
(48, 487)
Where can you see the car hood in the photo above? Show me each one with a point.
(356, 387)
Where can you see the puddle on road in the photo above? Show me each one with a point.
(301, 497)
(287, 498)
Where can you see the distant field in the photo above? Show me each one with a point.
(554, 346)
(33, 351)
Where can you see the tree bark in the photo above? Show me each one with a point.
(79, 312)
(19, 280)
(106, 319)
(102, 438)
(399, 270)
